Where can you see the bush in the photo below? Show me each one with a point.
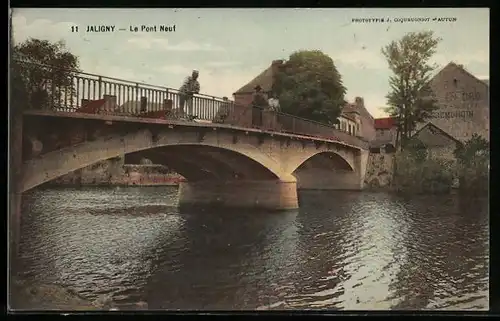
(473, 165)
(414, 174)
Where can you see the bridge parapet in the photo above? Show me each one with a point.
(73, 91)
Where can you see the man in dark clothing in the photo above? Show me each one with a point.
(259, 103)
(189, 87)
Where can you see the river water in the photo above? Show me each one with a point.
(341, 250)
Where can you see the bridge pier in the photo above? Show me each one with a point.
(269, 195)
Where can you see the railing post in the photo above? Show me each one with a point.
(215, 110)
(99, 81)
(136, 97)
(166, 94)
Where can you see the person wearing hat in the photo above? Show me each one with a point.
(189, 87)
(259, 103)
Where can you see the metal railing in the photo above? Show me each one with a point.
(52, 88)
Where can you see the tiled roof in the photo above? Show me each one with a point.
(265, 79)
(348, 116)
(436, 131)
(460, 67)
(350, 108)
(362, 111)
(384, 123)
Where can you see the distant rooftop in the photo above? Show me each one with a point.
(384, 123)
(265, 79)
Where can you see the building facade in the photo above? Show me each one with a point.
(463, 110)
(463, 102)
(364, 118)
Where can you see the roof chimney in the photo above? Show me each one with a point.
(359, 102)
(276, 64)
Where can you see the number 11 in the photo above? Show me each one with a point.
(74, 28)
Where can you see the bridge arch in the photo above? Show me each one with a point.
(206, 162)
(326, 159)
(60, 162)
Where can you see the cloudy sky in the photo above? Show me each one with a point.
(231, 46)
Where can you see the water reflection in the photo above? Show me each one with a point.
(220, 254)
(342, 250)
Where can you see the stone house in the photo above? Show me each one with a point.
(265, 79)
(363, 116)
(385, 134)
(463, 102)
(386, 130)
(349, 123)
(439, 143)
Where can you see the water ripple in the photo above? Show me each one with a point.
(342, 250)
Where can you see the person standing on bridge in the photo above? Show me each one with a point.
(190, 87)
(274, 108)
(259, 103)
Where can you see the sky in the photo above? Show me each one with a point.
(230, 47)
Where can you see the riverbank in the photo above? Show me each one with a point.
(109, 174)
(26, 296)
(29, 296)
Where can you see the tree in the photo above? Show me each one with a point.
(41, 74)
(410, 100)
(472, 149)
(473, 165)
(309, 86)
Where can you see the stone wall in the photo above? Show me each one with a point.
(386, 135)
(115, 172)
(464, 103)
(379, 170)
(443, 152)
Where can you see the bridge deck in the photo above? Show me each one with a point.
(135, 119)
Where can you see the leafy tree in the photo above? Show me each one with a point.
(410, 100)
(417, 149)
(475, 147)
(309, 86)
(473, 165)
(41, 74)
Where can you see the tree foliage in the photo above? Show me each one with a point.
(473, 165)
(41, 73)
(475, 147)
(410, 100)
(417, 150)
(309, 86)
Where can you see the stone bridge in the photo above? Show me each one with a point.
(224, 165)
